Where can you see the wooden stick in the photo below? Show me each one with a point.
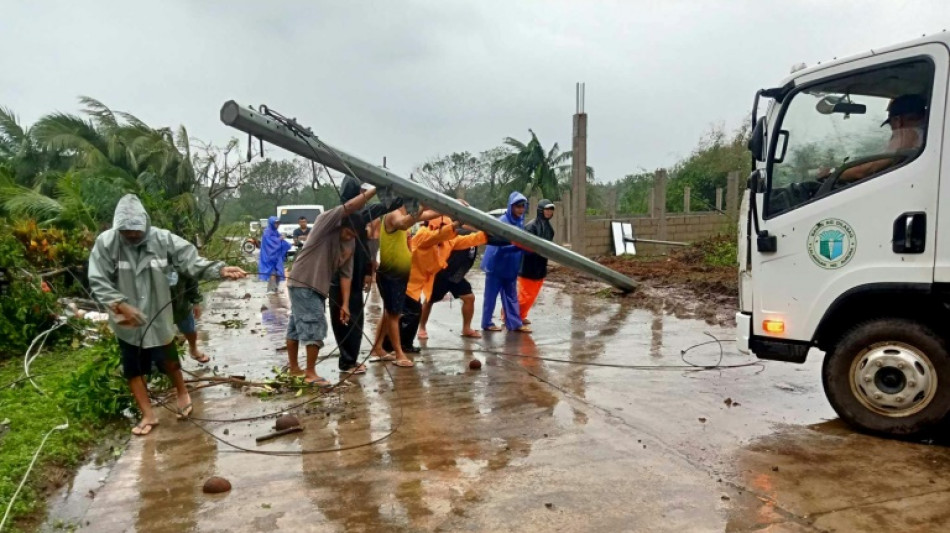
(280, 433)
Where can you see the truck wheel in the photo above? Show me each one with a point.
(248, 247)
(889, 376)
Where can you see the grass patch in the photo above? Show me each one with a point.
(81, 385)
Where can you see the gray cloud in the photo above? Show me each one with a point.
(412, 79)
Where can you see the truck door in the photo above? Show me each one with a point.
(852, 182)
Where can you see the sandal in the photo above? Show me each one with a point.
(403, 363)
(143, 428)
(492, 328)
(383, 358)
(183, 412)
(321, 383)
(522, 329)
(201, 357)
(526, 322)
(472, 335)
(359, 369)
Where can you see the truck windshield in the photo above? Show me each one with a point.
(846, 130)
(291, 215)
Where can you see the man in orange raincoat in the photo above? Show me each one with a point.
(431, 248)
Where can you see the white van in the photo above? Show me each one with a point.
(287, 216)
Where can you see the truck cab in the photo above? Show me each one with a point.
(288, 217)
(844, 233)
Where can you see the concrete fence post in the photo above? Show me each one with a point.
(659, 202)
(732, 193)
(686, 199)
(568, 214)
(718, 198)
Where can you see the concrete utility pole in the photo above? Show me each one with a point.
(579, 176)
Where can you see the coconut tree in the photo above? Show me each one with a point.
(528, 167)
(108, 154)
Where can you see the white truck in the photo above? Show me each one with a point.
(288, 217)
(844, 229)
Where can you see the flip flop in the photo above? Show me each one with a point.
(383, 358)
(423, 335)
(201, 358)
(183, 412)
(321, 383)
(361, 369)
(405, 363)
(144, 428)
(472, 335)
(522, 329)
(492, 328)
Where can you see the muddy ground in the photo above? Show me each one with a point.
(681, 284)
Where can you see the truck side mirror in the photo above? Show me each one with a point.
(757, 140)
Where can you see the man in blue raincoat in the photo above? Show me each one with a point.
(270, 264)
(501, 265)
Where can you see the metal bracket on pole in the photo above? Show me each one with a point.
(305, 144)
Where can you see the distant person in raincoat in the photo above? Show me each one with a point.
(270, 264)
(501, 265)
(534, 267)
(129, 267)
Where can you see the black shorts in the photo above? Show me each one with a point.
(393, 291)
(443, 286)
(136, 362)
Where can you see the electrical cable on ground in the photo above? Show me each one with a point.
(28, 470)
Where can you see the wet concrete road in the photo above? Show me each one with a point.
(526, 444)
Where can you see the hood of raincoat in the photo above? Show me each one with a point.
(509, 217)
(130, 215)
(349, 189)
(504, 261)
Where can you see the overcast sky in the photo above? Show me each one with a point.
(413, 79)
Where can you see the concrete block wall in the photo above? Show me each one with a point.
(679, 227)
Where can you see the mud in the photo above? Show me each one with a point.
(593, 423)
(679, 285)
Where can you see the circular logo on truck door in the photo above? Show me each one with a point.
(831, 243)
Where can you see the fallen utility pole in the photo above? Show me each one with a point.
(287, 134)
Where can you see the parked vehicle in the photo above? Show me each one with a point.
(844, 237)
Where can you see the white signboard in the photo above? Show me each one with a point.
(622, 231)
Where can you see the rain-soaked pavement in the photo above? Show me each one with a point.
(524, 444)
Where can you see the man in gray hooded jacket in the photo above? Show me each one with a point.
(129, 267)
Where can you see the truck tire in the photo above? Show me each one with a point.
(889, 376)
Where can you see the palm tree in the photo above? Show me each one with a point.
(107, 155)
(27, 161)
(529, 167)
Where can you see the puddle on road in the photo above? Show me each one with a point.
(462, 449)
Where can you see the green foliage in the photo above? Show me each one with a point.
(32, 414)
(25, 309)
(69, 170)
(720, 251)
(707, 167)
(97, 390)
